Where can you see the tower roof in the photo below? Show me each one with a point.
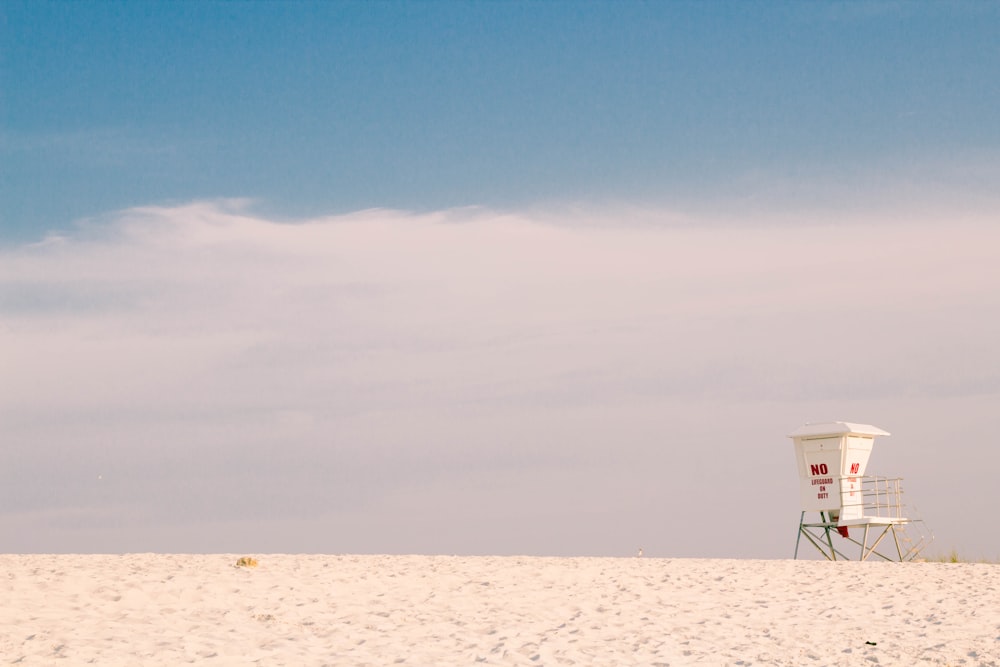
(836, 428)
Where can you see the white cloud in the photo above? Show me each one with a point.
(477, 375)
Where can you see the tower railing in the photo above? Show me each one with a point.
(880, 501)
(880, 497)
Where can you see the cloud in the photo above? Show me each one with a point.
(459, 380)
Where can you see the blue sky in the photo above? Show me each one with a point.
(313, 108)
(490, 277)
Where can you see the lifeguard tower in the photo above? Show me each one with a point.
(832, 458)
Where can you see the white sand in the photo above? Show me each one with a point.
(151, 609)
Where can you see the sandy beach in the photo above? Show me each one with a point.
(156, 609)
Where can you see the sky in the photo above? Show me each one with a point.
(490, 278)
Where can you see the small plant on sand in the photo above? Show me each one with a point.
(953, 557)
(950, 558)
(246, 561)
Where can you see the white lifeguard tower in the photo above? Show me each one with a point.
(832, 458)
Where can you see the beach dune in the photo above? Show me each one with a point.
(154, 609)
